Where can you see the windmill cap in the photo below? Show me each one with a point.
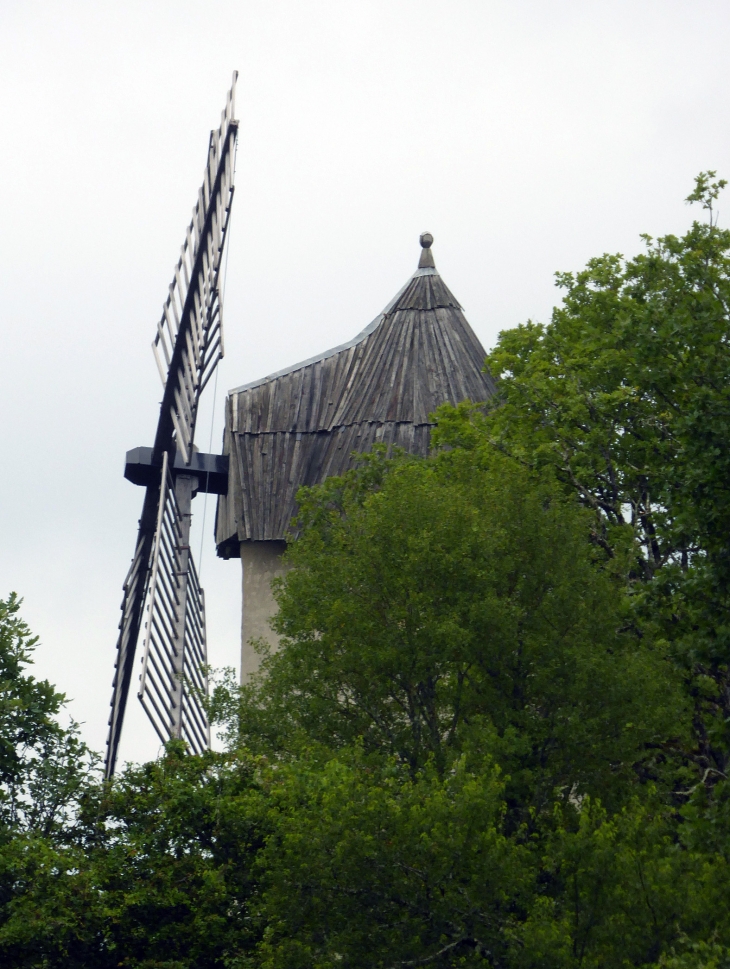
(426, 260)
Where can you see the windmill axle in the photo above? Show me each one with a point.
(211, 470)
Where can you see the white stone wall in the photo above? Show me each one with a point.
(262, 563)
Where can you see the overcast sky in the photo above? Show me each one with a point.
(526, 136)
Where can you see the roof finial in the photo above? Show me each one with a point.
(426, 260)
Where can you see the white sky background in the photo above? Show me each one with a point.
(526, 136)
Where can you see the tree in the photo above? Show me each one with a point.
(370, 867)
(625, 394)
(451, 614)
(373, 867)
(456, 605)
(42, 765)
(494, 733)
(158, 873)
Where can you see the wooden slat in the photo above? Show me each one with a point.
(301, 427)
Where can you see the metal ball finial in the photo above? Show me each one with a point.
(426, 240)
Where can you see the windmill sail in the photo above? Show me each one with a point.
(174, 654)
(189, 339)
(187, 347)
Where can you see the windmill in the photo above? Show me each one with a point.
(306, 423)
(163, 606)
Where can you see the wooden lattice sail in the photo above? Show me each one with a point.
(163, 602)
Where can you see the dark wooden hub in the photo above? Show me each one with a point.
(211, 470)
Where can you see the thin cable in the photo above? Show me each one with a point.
(205, 501)
(230, 223)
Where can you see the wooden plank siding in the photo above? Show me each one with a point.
(304, 425)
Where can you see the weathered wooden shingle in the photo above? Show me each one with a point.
(302, 425)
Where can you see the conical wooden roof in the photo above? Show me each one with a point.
(302, 425)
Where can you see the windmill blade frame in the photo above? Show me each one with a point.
(174, 650)
(189, 339)
(187, 347)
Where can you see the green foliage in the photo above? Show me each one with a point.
(706, 192)
(373, 867)
(27, 707)
(158, 875)
(497, 732)
(625, 395)
(460, 607)
(42, 766)
(370, 867)
(696, 955)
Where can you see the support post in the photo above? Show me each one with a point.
(185, 487)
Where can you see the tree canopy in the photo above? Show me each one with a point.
(496, 731)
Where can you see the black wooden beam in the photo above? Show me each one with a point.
(211, 470)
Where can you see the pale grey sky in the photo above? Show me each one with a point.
(526, 136)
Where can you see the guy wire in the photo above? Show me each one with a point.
(205, 500)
